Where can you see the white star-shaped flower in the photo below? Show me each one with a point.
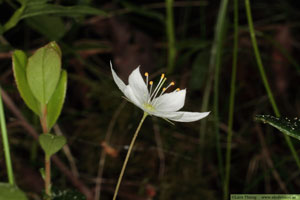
(155, 101)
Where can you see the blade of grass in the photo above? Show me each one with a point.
(170, 36)
(10, 172)
(223, 10)
(214, 66)
(264, 78)
(231, 100)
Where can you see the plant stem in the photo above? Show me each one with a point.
(43, 120)
(231, 101)
(48, 177)
(264, 78)
(128, 154)
(10, 172)
(214, 63)
(170, 35)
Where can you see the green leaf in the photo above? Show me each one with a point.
(36, 9)
(42, 172)
(19, 67)
(51, 143)
(55, 46)
(57, 100)
(287, 126)
(44, 24)
(66, 195)
(43, 73)
(11, 192)
(15, 18)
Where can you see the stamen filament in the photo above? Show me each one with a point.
(163, 91)
(159, 83)
(151, 86)
(159, 88)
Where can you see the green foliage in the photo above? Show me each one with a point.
(19, 67)
(43, 73)
(51, 143)
(11, 192)
(287, 126)
(40, 80)
(56, 102)
(36, 9)
(15, 18)
(44, 24)
(31, 8)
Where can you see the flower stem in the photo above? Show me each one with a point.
(264, 78)
(128, 154)
(10, 173)
(231, 102)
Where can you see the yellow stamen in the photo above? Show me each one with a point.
(164, 89)
(146, 74)
(162, 76)
(172, 83)
(178, 89)
(151, 83)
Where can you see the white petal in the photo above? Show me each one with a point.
(117, 80)
(184, 116)
(171, 101)
(138, 86)
(167, 115)
(132, 97)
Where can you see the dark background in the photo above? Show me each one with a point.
(169, 162)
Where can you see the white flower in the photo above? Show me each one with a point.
(155, 101)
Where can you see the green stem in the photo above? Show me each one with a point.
(43, 120)
(231, 101)
(219, 45)
(214, 65)
(264, 78)
(10, 172)
(128, 154)
(170, 35)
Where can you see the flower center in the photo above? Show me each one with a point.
(150, 105)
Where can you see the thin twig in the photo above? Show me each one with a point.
(61, 166)
(68, 153)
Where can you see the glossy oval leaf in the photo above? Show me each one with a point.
(56, 102)
(19, 60)
(11, 192)
(51, 143)
(287, 126)
(43, 73)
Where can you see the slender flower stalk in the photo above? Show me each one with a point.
(128, 154)
(9, 168)
(154, 102)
